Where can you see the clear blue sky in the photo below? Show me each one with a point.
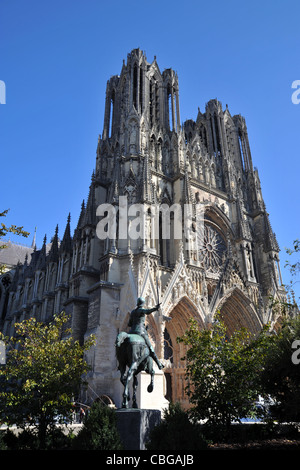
(55, 59)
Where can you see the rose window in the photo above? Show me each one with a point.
(212, 248)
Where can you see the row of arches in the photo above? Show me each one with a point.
(236, 311)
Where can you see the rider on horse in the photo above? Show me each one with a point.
(137, 324)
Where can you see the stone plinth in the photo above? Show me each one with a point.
(156, 399)
(134, 426)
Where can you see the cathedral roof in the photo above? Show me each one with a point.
(14, 253)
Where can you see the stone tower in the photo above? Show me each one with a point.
(204, 242)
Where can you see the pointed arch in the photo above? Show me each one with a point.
(180, 315)
(238, 311)
(216, 216)
(174, 352)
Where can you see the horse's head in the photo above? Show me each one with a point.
(121, 338)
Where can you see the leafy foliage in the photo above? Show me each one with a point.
(224, 373)
(293, 264)
(281, 374)
(294, 267)
(99, 431)
(44, 369)
(4, 230)
(176, 432)
(12, 229)
(28, 440)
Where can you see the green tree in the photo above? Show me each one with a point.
(4, 230)
(281, 374)
(293, 264)
(223, 373)
(99, 431)
(44, 368)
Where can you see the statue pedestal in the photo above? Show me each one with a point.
(134, 426)
(146, 401)
(156, 399)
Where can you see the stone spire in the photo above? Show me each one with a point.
(80, 220)
(53, 253)
(33, 244)
(89, 217)
(41, 260)
(270, 241)
(66, 243)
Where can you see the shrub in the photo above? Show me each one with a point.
(28, 440)
(99, 431)
(176, 432)
(3, 445)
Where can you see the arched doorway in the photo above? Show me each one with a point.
(174, 352)
(237, 311)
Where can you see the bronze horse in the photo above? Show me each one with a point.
(133, 353)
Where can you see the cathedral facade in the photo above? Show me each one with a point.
(224, 260)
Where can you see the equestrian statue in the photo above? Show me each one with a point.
(135, 352)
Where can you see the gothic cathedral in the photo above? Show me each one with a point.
(229, 263)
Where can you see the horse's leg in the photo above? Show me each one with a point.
(135, 384)
(151, 385)
(130, 375)
(126, 392)
(134, 369)
(150, 370)
(122, 359)
(135, 362)
(122, 369)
